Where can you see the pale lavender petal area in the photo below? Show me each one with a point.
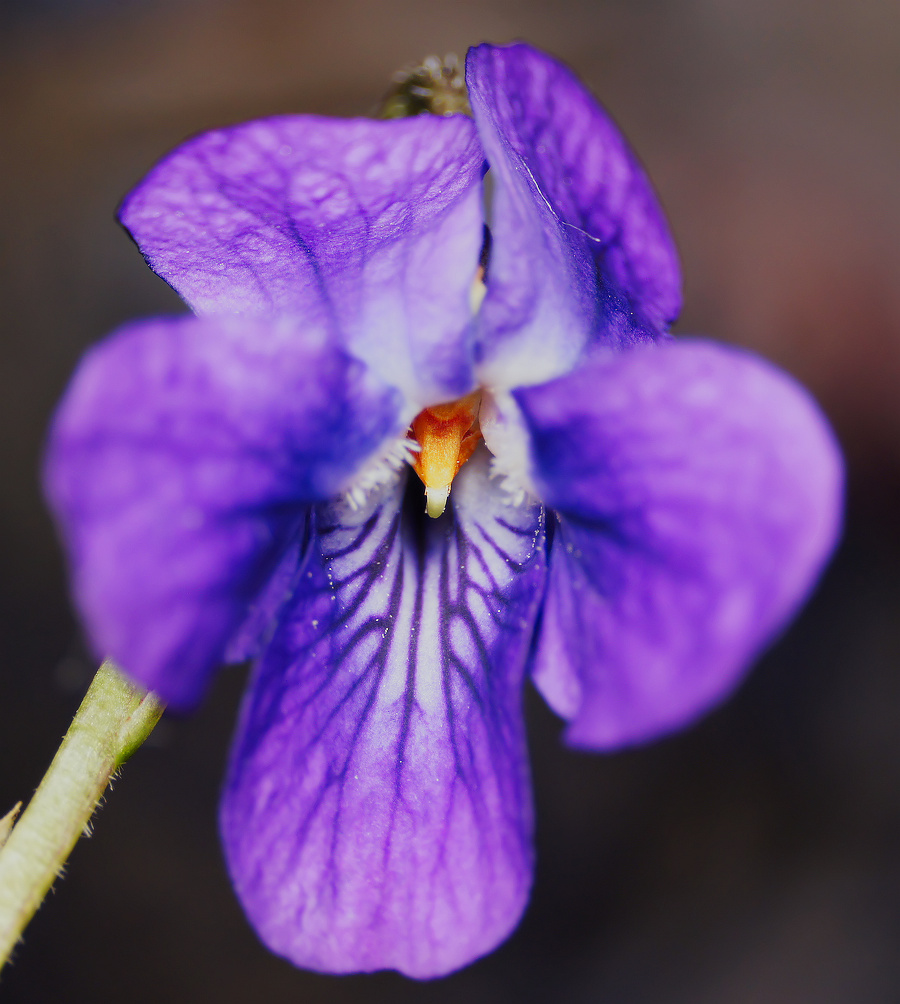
(581, 251)
(371, 227)
(698, 493)
(377, 813)
(181, 465)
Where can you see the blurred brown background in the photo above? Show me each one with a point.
(755, 858)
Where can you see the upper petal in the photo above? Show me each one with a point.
(179, 467)
(374, 227)
(580, 248)
(698, 493)
(377, 812)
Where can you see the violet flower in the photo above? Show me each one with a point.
(641, 517)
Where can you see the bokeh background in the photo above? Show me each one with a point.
(755, 858)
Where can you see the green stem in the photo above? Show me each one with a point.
(115, 717)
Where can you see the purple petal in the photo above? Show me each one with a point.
(698, 493)
(180, 467)
(377, 813)
(581, 250)
(373, 227)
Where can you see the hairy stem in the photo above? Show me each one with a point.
(115, 717)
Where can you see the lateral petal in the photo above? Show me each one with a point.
(698, 494)
(180, 467)
(371, 227)
(580, 251)
(377, 813)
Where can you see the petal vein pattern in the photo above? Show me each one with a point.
(581, 252)
(378, 813)
(371, 228)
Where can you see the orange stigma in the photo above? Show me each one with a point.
(447, 435)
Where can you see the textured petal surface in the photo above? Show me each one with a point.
(378, 813)
(372, 227)
(698, 494)
(580, 249)
(180, 466)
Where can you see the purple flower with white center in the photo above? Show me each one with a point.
(640, 519)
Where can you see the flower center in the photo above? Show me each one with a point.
(447, 435)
